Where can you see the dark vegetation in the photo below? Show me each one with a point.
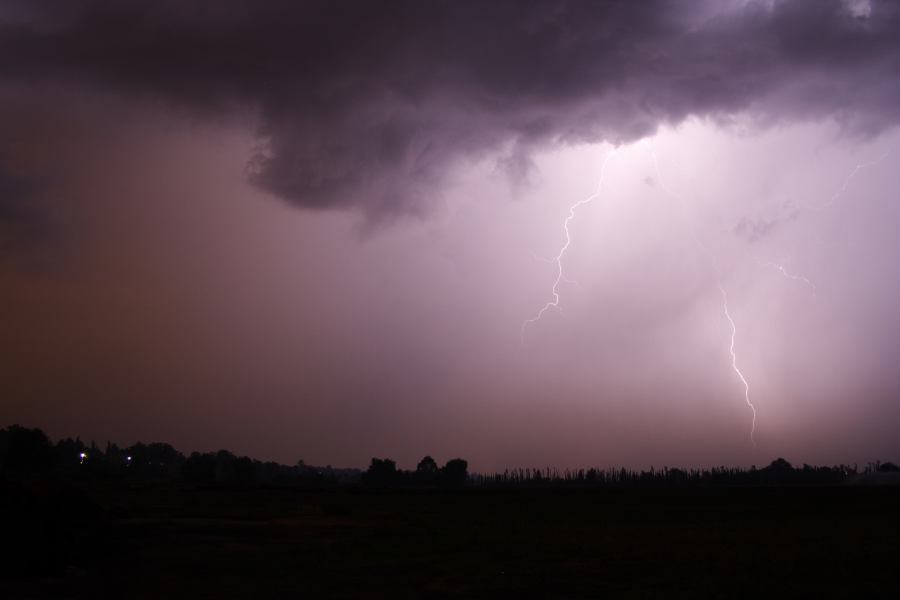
(27, 453)
(146, 521)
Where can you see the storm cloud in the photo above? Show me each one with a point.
(367, 104)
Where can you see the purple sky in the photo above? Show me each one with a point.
(315, 229)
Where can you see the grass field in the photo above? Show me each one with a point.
(167, 542)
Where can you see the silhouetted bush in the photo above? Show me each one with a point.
(381, 473)
(244, 470)
(157, 459)
(199, 468)
(24, 452)
(426, 471)
(454, 473)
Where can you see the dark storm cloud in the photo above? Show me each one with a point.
(367, 103)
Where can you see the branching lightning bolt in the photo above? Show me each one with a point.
(835, 197)
(558, 259)
(853, 173)
(735, 366)
(551, 261)
(789, 275)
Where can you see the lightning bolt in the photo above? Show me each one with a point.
(788, 275)
(835, 197)
(735, 366)
(708, 253)
(551, 261)
(853, 173)
(558, 259)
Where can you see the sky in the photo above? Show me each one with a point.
(553, 233)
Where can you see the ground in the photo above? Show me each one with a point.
(149, 541)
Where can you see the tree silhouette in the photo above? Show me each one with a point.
(426, 470)
(381, 473)
(199, 468)
(454, 473)
(24, 451)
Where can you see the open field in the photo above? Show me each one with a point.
(713, 542)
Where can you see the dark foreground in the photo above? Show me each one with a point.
(121, 542)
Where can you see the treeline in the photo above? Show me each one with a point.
(384, 473)
(29, 452)
(26, 453)
(779, 472)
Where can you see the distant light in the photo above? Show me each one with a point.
(128, 458)
(83, 456)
